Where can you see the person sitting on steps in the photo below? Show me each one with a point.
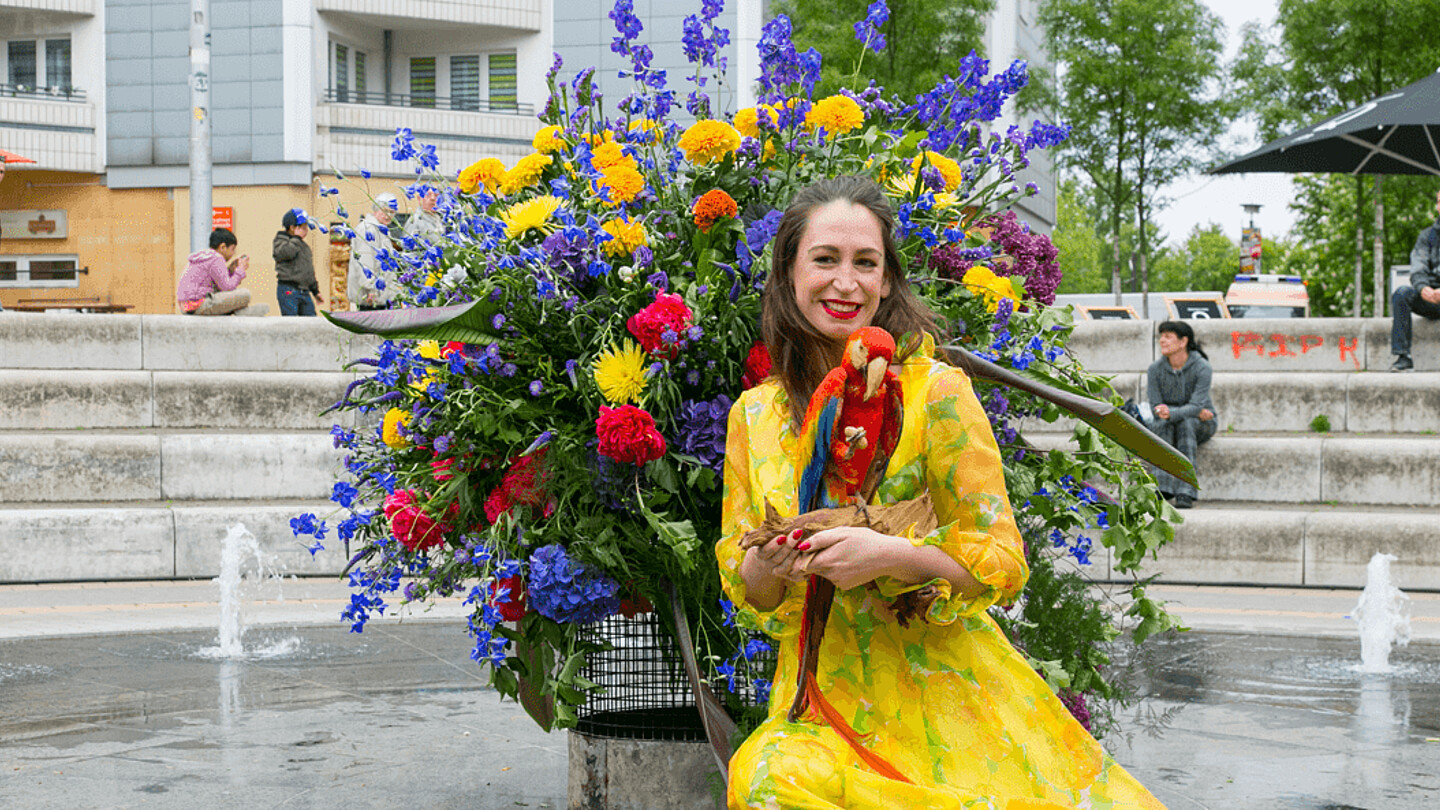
(1179, 394)
(210, 284)
(1421, 296)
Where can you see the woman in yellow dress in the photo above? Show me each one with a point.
(946, 700)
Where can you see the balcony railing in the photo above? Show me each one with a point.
(427, 102)
(46, 93)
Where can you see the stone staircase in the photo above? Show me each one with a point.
(129, 444)
(1281, 504)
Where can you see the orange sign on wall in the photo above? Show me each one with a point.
(223, 218)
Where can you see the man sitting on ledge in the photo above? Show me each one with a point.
(1179, 394)
(1421, 296)
(210, 284)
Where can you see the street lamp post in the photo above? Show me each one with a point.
(201, 198)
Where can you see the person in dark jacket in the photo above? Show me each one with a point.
(295, 266)
(1421, 296)
(1179, 394)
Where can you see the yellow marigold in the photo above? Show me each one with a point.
(429, 349)
(595, 139)
(949, 169)
(709, 140)
(620, 373)
(548, 140)
(609, 154)
(623, 182)
(713, 206)
(486, 172)
(982, 281)
(836, 115)
(531, 215)
(627, 234)
(747, 122)
(525, 173)
(390, 429)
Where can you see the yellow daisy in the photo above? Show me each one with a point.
(709, 140)
(390, 429)
(836, 115)
(982, 281)
(486, 172)
(627, 235)
(620, 373)
(548, 140)
(525, 173)
(531, 215)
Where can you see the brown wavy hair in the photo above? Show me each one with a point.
(800, 355)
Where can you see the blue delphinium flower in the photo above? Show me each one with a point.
(868, 29)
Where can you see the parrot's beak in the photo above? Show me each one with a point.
(874, 375)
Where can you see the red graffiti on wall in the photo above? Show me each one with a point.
(1282, 345)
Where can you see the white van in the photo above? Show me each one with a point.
(1268, 296)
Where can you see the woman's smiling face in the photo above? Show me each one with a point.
(840, 269)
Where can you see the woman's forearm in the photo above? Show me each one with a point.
(914, 564)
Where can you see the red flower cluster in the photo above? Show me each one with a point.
(650, 324)
(628, 434)
(757, 366)
(524, 484)
(412, 526)
(514, 608)
(713, 206)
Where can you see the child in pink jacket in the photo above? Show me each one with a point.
(210, 284)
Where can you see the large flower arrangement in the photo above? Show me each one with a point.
(558, 459)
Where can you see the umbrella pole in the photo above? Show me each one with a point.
(1378, 311)
(1356, 307)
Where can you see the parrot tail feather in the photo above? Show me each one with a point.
(876, 762)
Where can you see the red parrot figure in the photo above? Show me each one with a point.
(851, 428)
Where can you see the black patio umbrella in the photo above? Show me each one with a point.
(1397, 133)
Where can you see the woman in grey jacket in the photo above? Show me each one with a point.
(1179, 394)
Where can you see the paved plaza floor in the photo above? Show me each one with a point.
(110, 699)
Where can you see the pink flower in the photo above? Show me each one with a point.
(415, 529)
(667, 314)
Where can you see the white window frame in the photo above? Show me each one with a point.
(22, 270)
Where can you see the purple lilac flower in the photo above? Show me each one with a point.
(441, 443)
(1075, 702)
(566, 591)
(659, 281)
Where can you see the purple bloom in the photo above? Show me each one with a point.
(566, 591)
(441, 443)
(498, 321)
(536, 388)
(868, 29)
(700, 429)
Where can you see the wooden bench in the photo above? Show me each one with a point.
(75, 304)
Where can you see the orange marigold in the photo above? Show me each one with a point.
(623, 182)
(709, 140)
(486, 172)
(609, 154)
(713, 206)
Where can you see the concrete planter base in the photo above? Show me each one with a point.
(621, 774)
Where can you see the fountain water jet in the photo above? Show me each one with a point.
(238, 547)
(1383, 614)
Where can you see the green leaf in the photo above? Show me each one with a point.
(466, 323)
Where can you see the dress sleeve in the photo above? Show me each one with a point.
(967, 484)
(741, 512)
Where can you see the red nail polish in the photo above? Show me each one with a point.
(796, 534)
(780, 541)
(803, 546)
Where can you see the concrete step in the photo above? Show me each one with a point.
(1311, 469)
(175, 343)
(155, 465)
(152, 540)
(90, 399)
(1260, 344)
(1356, 403)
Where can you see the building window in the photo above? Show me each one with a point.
(342, 73)
(39, 271)
(360, 76)
(422, 81)
(465, 82)
(57, 65)
(22, 64)
(502, 82)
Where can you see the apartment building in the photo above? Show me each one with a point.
(96, 93)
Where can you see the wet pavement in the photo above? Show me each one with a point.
(317, 717)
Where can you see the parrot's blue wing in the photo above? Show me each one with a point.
(812, 474)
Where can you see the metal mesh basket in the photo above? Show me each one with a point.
(646, 693)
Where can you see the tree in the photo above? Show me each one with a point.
(1330, 55)
(1138, 82)
(924, 40)
(1207, 260)
(1077, 238)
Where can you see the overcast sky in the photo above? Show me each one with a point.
(1203, 199)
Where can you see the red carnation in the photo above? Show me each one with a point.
(650, 324)
(513, 609)
(757, 365)
(415, 529)
(524, 484)
(628, 434)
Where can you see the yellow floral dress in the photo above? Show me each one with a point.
(947, 701)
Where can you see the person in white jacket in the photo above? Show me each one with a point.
(368, 285)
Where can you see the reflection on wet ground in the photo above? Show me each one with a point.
(399, 716)
(1281, 722)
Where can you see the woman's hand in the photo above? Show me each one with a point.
(849, 555)
(768, 568)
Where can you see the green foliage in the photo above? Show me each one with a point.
(1320, 424)
(1206, 260)
(909, 64)
(1143, 119)
(1084, 255)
